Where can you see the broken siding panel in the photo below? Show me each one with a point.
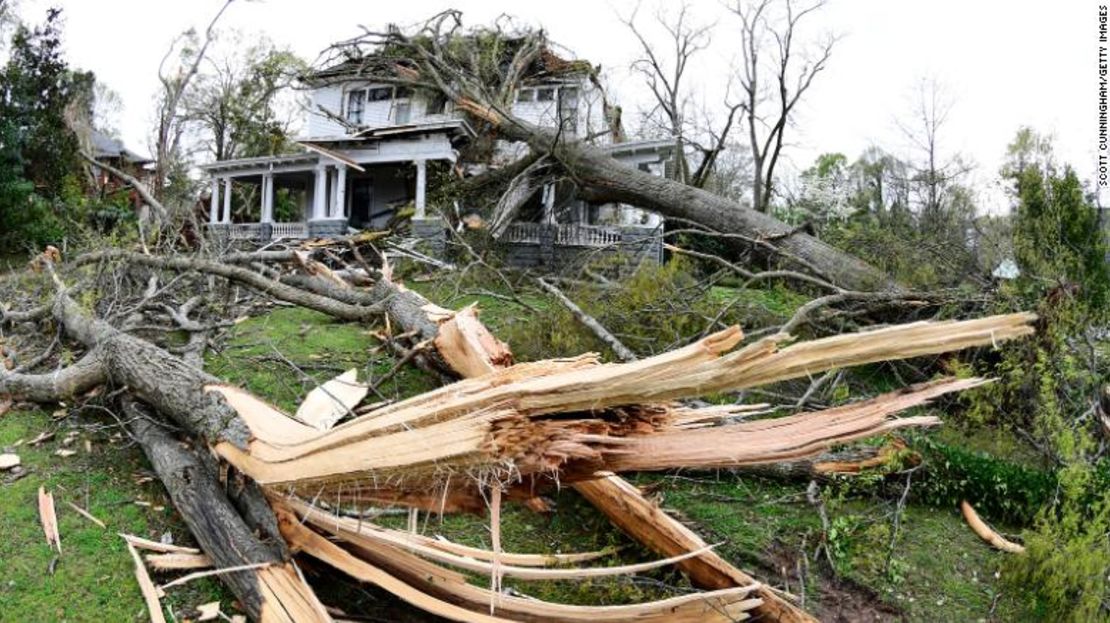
(330, 98)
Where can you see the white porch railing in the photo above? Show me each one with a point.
(244, 231)
(566, 234)
(523, 232)
(290, 230)
(575, 235)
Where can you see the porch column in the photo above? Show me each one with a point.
(267, 198)
(214, 202)
(320, 194)
(421, 181)
(340, 207)
(227, 200)
(548, 203)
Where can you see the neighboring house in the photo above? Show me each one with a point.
(115, 154)
(368, 147)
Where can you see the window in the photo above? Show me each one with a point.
(568, 109)
(356, 103)
(526, 95)
(545, 94)
(402, 112)
(379, 94)
(437, 104)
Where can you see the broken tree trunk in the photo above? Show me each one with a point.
(220, 530)
(602, 178)
(175, 389)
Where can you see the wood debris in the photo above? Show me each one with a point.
(49, 519)
(151, 593)
(332, 401)
(208, 611)
(86, 514)
(988, 534)
(577, 416)
(157, 546)
(8, 461)
(178, 562)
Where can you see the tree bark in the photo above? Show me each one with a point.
(200, 499)
(602, 178)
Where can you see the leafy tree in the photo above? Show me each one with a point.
(38, 150)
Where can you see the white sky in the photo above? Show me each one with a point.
(1005, 63)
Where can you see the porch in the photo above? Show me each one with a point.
(331, 187)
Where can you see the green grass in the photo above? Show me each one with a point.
(940, 570)
(93, 578)
(284, 354)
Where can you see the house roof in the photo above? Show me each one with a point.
(105, 147)
(547, 65)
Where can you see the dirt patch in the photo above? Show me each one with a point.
(836, 600)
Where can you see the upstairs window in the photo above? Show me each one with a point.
(379, 94)
(545, 94)
(526, 95)
(356, 104)
(402, 112)
(437, 104)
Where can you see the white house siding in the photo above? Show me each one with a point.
(329, 98)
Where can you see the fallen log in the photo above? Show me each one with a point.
(274, 593)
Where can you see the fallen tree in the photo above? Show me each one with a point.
(508, 429)
(442, 56)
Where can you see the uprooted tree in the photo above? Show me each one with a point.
(256, 486)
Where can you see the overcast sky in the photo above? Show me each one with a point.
(1004, 63)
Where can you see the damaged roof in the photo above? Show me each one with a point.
(548, 65)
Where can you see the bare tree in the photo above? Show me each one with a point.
(663, 68)
(175, 81)
(770, 104)
(934, 176)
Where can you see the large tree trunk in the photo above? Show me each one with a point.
(602, 178)
(224, 520)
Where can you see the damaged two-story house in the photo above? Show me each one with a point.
(368, 147)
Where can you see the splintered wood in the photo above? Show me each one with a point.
(49, 519)
(572, 417)
(517, 429)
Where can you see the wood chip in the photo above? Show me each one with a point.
(209, 611)
(49, 519)
(157, 546)
(86, 514)
(41, 437)
(177, 562)
(330, 402)
(8, 461)
(65, 453)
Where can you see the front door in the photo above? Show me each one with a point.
(362, 195)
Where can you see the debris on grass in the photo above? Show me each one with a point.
(151, 593)
(988, 534)
(49, 519)
(157, 546)
(208, 611)
(178, 562)
(86, 514)
(330, 402)
(8, 461)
